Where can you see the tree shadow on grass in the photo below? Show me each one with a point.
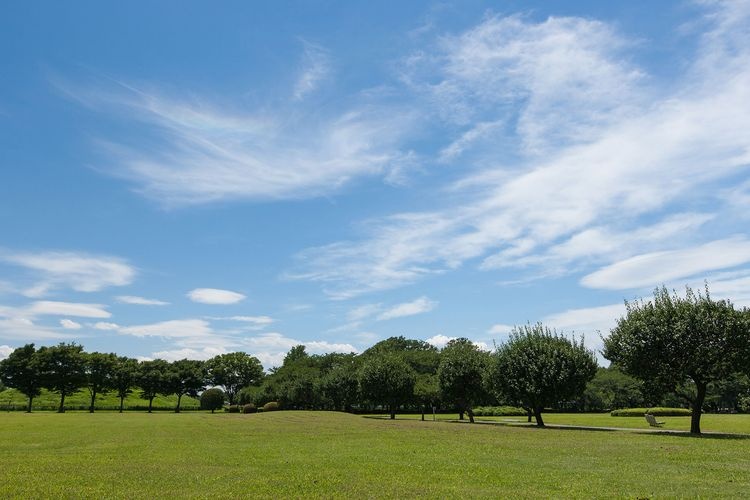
(655, 432)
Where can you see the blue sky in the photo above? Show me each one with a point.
(182, 179)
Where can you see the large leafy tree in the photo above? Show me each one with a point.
(233, 371)
(99, 374)
(154, 377)
(339, 384)
(671, 340)
(63, 369)
(538, 368)
(124, 377)
(388, 380)
(461, 374)
(187, 376)
(21, 371)
(420, 355)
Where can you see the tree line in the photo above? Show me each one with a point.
(689, 349)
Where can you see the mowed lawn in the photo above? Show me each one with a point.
(340, 455)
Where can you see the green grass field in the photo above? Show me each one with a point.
(339, 455)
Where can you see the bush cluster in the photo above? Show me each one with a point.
(657, 412)
(499, 411)
(271, 406)
(249, 408)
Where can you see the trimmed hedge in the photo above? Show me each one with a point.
(233, 409)
(249, 408)
(271, 406)
(657, 412)
(499, 411)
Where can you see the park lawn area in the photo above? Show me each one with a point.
(330, 454)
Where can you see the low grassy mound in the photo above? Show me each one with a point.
(657, 412)
(11, 399)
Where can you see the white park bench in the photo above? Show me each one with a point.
(652, 421)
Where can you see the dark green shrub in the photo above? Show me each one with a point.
(499, 411)
(212, 399)
(249, 408)
(271, 406)
(233, 409)
(657, 412)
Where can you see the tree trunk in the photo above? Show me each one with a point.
(538, 416)
(470, 413)
(422, 413)
(28, 409)
(122, 403)
(695, 419)
(62, 403)
(528, 415)
(461, 415)
(179, 398)
(393, 412)
(93, 398)
(150, 403)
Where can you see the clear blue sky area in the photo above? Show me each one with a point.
(182, 179)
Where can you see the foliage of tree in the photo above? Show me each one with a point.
(538, 367)
(426, 391)
(671, 340)
(154, 378)
(124, 377)
(611, 389)
(212, 399)
(461, 374)
(99, 374)
(63, 369)
(388, 380)
(233, 371)
(187, 376)
(339, 385)
(21, 371)
(422, 356)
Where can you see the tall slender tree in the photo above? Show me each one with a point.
(461, 374)
(153, 379)
(99, 374)
(124, 378)
(63, 369)
(187, 377)
(21, 371)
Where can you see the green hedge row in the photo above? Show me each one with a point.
(499, 411)
(657, 412)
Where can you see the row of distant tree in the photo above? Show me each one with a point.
(67, 369)
(689, 349)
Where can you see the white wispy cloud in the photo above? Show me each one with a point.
(653, 269)
(418, 306)
(106, 326)
(202, 152)
(626, 156)
(80, 271)
(270, 348)
(176, 328)
(215, 296)
(77, 309)
(141, 301)
(69, 324)
(316, 67)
